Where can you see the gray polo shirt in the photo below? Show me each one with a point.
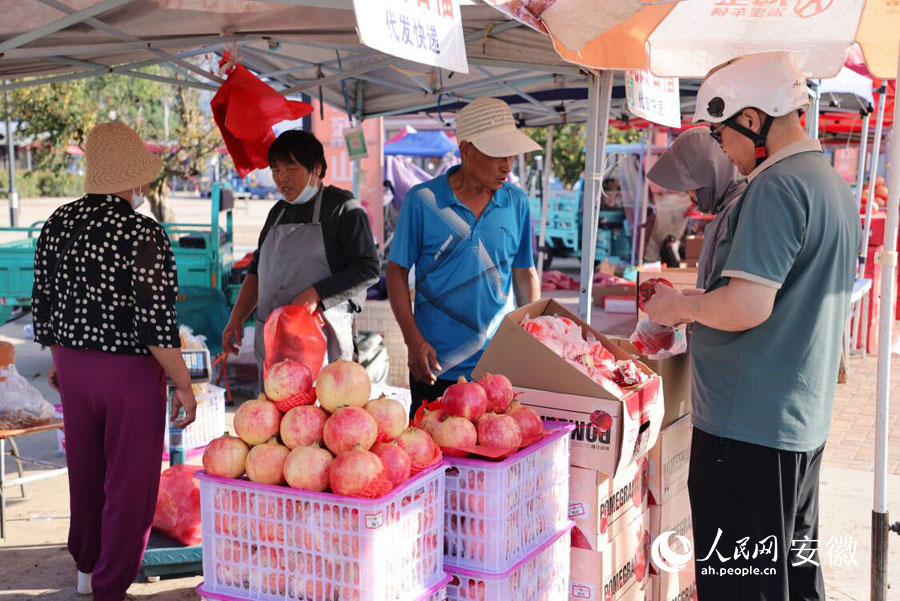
(796, 229)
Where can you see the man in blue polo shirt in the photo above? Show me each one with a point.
(766, 340)
(468, 234)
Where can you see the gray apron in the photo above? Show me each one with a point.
(292, 258)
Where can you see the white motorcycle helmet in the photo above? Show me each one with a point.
(769, 81)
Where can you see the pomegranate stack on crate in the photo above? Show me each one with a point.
(323, 495)
(506, 530)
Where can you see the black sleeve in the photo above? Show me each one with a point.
(358, 248)
(41, 302)
(154, 283)
(274, 213)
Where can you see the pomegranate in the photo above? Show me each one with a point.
(396, 461)
(306, 468)
(528, 419)
(579, 540)
(391, 416)
(257, 421)
(465, 399)
(288, 379)
(601, 420)
(347, 427)
(498, 431)
(431, 418)
(358, 473)
(265, 463)
(648, 288)
(343, 383)
(423, 451)
(453, 433)
(302, 426)
(225, 457)
(499, 392)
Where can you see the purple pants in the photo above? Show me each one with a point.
(114, 411)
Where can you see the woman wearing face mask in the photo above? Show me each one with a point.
(104, 303)
(315, 250)
(695, 164)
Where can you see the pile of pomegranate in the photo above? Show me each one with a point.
(328, 438)
(564, 337)
(480, 414)
(881, 195)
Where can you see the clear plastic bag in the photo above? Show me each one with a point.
(656, 341)
(21, 404)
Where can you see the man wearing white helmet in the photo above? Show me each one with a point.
(766, 339)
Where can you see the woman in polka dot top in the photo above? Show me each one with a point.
(104, 303)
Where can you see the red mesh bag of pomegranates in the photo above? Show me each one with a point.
(291, 332)
(177, 512)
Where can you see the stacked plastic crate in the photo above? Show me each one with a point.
(268, 543)
(506, 528)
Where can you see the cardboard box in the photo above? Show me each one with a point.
(676, 380)
(616, 572)
(692, 246)
(602, 507)
(669, 460)
(601, 292)
(673, 516)
(681, 279)
(557, 390)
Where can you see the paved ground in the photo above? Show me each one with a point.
(34, 563)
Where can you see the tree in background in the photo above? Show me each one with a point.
(569, 147)
(62, 114)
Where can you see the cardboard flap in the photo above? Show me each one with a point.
(527, 362)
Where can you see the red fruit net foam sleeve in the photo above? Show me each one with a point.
(297, 400)
(417, 467)
(379, 487)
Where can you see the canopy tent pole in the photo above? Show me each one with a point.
(521, 169)
(873, 171)
(545, 193)
(599, 99)
(880, 525)
(861, 163)
(645, 201)
(638, 198)
(812, 115)
(12, 194)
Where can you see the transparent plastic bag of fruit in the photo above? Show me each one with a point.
(21, 404)
(291, 332)
(658, 342)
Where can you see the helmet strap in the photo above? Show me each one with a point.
(759, 139)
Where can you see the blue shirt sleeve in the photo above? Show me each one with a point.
(768, 235)
(407, 242)
(525, 256)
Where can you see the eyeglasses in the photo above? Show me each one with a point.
(716, 133)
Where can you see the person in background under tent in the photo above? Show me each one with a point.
(695, 164)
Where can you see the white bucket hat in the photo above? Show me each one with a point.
(489, 125)
(769, 81)
(117, 160)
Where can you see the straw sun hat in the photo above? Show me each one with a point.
(117, 160)
(489, 125)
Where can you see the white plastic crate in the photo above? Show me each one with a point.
(497, 512)
(208, 425)
(542, 575)
(438, 592)
(269, 543)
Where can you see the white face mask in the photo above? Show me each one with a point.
(306, 195)
(137, 199)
